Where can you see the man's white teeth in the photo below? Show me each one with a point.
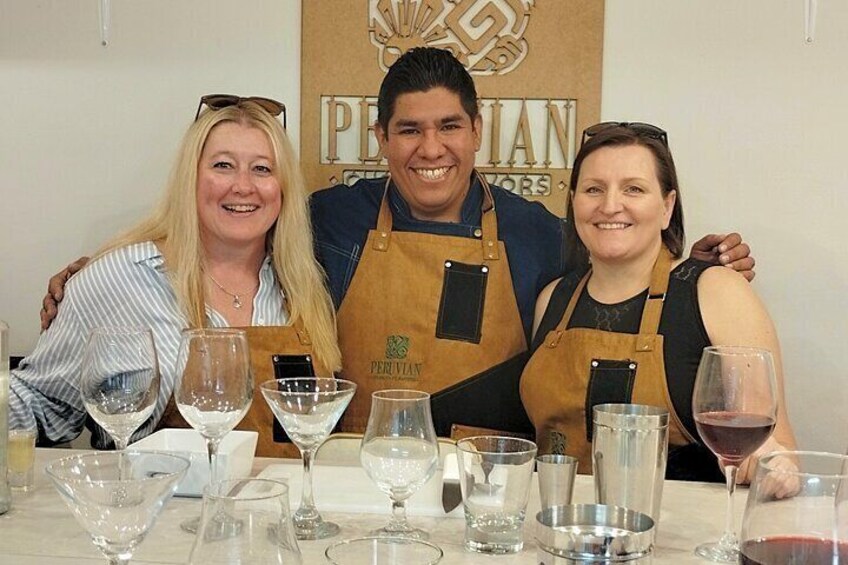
(615, 226)
(433, 174)
(240, 207)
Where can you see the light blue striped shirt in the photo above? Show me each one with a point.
(126, 287)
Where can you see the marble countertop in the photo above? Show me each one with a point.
(41, 530)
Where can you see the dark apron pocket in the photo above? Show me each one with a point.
(287, 367)
(610, 382)
(461, 305)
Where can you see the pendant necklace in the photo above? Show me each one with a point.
(236, 295)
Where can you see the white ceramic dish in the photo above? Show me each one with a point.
(235, 455)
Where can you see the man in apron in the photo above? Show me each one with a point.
(434, 272)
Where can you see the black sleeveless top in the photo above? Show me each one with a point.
(684, 339)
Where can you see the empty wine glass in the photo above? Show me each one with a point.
(308, 409)
(215, 389)
(119, 380)
(797, 510)
(117, 496)
(399, 452)
(734, 404)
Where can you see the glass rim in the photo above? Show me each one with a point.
(530, 445)
(385, 394)
(207, 490)
(120, 330)
(341, 544)
(213, 332)
(269, 384)
(736, 349)
(765, 460)
(52, 468)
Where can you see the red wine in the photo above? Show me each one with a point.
(733, 435)
(793, 550)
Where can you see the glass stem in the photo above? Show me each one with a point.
(307, 504)
(121, 445)
(117, 560)
(398, 522)
(212, 449)
(729, 539)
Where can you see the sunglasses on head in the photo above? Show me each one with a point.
(639, 128)
(219, 101)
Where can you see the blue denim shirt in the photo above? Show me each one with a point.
(343, 215)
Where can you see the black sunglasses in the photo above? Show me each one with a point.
(639, 128)
(219, 101)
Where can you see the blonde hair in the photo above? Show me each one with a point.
(174, 222)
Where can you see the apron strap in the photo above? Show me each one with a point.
(652, 311)
(297, 324)
(553, 337)
(489, 222)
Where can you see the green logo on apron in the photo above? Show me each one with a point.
(397, 346)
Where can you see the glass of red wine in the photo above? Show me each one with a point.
(734, 404)
(797, 510)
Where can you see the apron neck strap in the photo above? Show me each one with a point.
(488, 222)
(653, 305)
(297, 325)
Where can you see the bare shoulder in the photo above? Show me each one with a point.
(731, 310)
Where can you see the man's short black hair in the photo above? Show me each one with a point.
(419, 70)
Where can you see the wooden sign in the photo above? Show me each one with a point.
(536, 64)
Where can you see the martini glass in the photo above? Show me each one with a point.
(117, 496)
(308, 409)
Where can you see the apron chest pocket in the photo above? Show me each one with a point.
(610, 382)
(461, 305)
(286, 367)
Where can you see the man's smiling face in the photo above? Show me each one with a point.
(430, 144)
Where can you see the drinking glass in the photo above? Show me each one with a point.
(119, 379)
(734, 404)
(215, 389)
(245, 521)
(399, 452)
(308, 409)
(117, 496)
(797, 510)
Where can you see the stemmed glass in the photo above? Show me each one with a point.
(734, 404)
(119, 379)
(215, 389)
(797, 510)
(308, 409)
(117, 496)
(399, 452)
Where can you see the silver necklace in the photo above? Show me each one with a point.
(236, 295)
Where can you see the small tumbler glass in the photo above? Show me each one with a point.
(495, 474)
(21, 459)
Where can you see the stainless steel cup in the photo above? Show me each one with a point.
(556, 479)
(629, 453)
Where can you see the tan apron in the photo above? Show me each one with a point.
(388, 322)
(557, 384)
(265, 342)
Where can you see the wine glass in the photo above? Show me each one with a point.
(119, 380)
(734, 404)
(797, 510)
(308, 409)
(117, 496)
(399, 452)
(215, 389)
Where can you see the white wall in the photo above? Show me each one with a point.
(755, 119)
(87, 133)
(757, 122)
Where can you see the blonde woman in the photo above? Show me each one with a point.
(229, 245)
